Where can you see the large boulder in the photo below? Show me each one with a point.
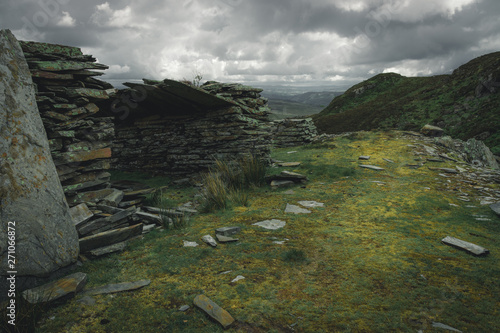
(479, 154)
(32, 201)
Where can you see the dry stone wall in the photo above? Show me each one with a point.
(293, 132)
(67, 96)
(179, 130)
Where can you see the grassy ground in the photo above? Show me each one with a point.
(370, 260)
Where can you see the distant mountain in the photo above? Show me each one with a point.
(465, 104)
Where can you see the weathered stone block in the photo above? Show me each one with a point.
(31, 197)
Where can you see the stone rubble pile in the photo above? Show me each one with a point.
(179, 129)
(293, 132)
(468, 173)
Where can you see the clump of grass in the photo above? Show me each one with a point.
(159, 200)
(228, 181)
(215, 192)
(294, 255)
(253, 170)
(239, 197)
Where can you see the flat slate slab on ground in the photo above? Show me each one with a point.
(109, 237)
(271, 224)
(209, 240)
(311, 204)
(296, 209)
(225, 239)
(371, 167)
(214, 310)
(117, 287)
(463, 245)
(227, 231)
(54, 290)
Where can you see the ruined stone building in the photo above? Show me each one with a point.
(169, 127)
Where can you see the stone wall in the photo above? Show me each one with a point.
(293, 132)
(68, 95)
(179, 129)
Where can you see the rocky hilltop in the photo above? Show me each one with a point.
(465, 103)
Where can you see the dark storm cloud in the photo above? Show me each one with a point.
(264, 40)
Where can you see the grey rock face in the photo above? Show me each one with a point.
(30, 191)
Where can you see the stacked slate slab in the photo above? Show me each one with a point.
(245, 96)
(70, 101)
(169, 127)
(67, 96)
(293, 132)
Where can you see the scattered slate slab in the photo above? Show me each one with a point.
(151, 218)
(148, 228)
(184, 308)
(225, 239)
(364, 158)
(289, 192)
(291, 152)
(214, 310)
(463, 245)
(114, 198)
(139, 192)
(209, 240)
(105, 223)
(273, 224)
(117, 287)
(186, 210)
(118, 247)
(371, 167)
(227, 231)
(109, 237)
(289, 164)
(282, 183)
(435, 160)
(167, 212)
(296, 209)
(238, 278)
(291, 175)
(388, 160)
(80, 214)
(447, 170)
(54, 290)
(311, 204)
(190, 244)
(496, 208)
(446, 157)
(446, 327)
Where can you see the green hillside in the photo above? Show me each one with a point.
(465, 104)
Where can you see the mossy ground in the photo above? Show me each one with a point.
(370, 260)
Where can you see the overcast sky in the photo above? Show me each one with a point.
(317, 42)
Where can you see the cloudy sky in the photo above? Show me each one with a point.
(317, 42)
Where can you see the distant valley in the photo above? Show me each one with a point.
(286, 105)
